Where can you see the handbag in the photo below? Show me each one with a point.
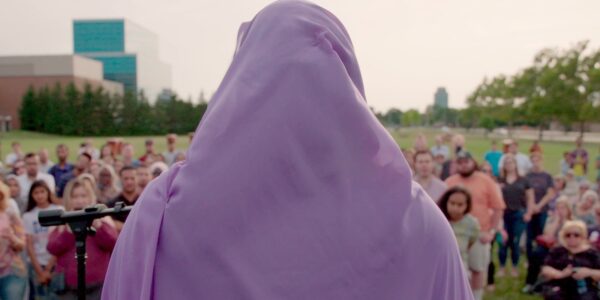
(545, 241)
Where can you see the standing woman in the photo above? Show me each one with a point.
(291, 188)
(78, 195)
(518, 196)
(13, 275)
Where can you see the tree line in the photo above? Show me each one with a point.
(94, 112)
(560, 86)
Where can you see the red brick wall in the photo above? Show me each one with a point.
(12, 90)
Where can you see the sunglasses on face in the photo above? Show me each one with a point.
(572, 234)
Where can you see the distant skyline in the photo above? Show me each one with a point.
(406, 49)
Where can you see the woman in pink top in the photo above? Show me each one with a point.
(61, 244)
(13, 276)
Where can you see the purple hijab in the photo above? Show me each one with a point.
(291, 188)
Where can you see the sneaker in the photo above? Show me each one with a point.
(527, 289)
(514, 272)
(500, 273)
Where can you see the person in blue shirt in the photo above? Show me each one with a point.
(493, 157)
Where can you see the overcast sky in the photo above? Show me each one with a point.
(406, 49)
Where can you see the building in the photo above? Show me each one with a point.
(18, 73)
(441, 98)
(128, 52)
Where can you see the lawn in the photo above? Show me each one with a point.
(506, 288)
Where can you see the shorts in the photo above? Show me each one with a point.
(479, 257)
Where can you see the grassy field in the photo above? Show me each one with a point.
(506, 288)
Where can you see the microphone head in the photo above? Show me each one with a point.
(51, 217)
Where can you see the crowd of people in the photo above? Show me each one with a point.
(38, 262)
(489, 202)
(506, 201)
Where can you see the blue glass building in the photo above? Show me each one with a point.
(128, 52)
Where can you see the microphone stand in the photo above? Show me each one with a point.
(80, 222)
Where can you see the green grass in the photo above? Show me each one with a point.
(506, 288)
(32, 141)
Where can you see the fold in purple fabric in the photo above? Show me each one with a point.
(291, 188)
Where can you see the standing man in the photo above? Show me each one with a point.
(171, 152)
(149, 150)
(440, 148)
(487, 208)
(424, 167)
(523, 161)
(45, 162)
(493, 158)
(32, 167)
(128, 195)
(82, 166)
(14, 156)
(62, 167)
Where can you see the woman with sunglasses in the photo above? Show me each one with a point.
(573, 268)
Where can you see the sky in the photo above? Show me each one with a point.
(406, 49)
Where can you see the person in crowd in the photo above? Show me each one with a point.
(535, 148)
(584, 186)
(127, 153)
(409, 155)
(598, 170)
(12, 182)
(63, 166)
(424, 169)
(81, 166)
(548, 239)
(420, 143)
(13, 274)
(571, 189)
(584, 210)
(438, 161)
(32, 164)
(440, 148)
(19, 168)
(15, 155)
(180, 157)
(579, 160)
(106, 154)
(519, 198)
(487, 208)
(88, 147)
(61, 243)
(157, 168)
(449, 167)
(456, 204)
(321, 206)
(129, 193)
(543, 188)
(523, 161)
(559, 186)
(108, 184)
(41, 261)
(565, 163)
(172, 151)
(573, 268)
(149, 151)
(119, 165)
(493, 158)
(45, 162)
(143, 177)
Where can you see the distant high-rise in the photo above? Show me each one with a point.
(128, 52)
(441, 98)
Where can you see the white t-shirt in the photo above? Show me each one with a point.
(39, 233)
(524, 164)
(44, 168)
(170, 157)
(11, 158)
(26, 183)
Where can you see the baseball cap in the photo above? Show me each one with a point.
(463, 154)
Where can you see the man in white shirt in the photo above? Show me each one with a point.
(32, 166)
(424, 168)
(45, 162)
(524, 164)
(440, 148)
(171, 154)
(12, 157)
